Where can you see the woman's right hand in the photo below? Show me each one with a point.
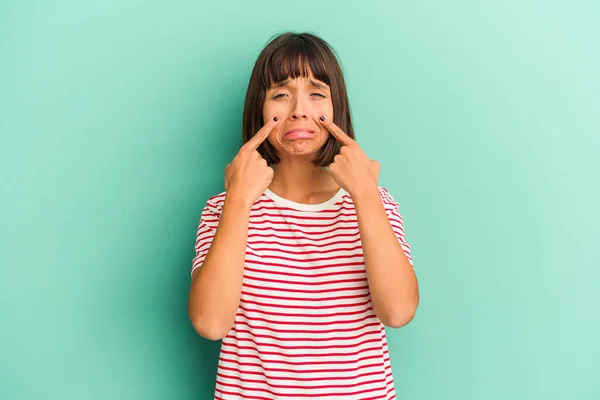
(248, 175)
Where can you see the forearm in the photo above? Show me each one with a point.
(392, 281)
(217, 284)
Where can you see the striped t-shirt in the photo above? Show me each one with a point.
(305, 327)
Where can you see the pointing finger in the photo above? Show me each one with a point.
(260, 136)
(336, 131)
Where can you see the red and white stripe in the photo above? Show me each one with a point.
(305, 327)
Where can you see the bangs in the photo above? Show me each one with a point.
(295, 58)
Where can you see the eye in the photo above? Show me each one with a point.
(317, 94)
(278, 95)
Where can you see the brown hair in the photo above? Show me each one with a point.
(291, 55)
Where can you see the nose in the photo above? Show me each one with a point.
(298, 110)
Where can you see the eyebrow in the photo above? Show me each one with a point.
(313, 83)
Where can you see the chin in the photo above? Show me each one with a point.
(299, 148)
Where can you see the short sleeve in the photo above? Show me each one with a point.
(392, 208)
(209, 221)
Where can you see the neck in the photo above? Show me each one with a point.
(299, 180)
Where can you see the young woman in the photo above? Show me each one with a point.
(302, 261)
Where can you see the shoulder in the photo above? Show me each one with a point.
(215, 203)
(388, 200)
(218, 198)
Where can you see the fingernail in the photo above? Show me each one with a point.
(322, 118)
(275, 119)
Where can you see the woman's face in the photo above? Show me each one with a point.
(298, 103)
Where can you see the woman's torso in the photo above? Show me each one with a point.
(305, 326)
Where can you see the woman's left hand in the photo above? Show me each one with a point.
(351, 167)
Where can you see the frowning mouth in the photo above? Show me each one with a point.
(300, 133)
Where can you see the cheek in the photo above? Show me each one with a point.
(274, 135)
(327, 110)
(273, 106)
(271, 109)
(324, 109)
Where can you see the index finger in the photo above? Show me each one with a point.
(260, 136)
(336, 131)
